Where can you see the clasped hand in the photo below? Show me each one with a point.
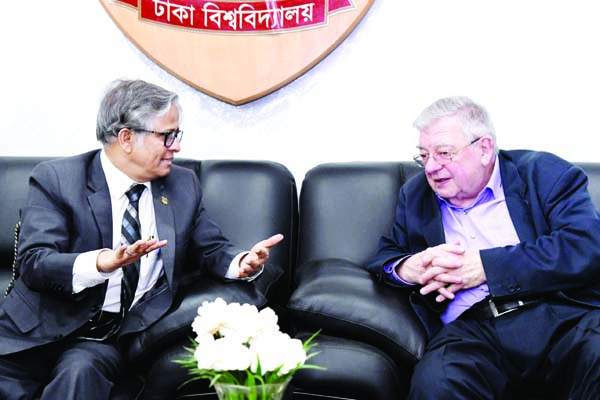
(446, 268)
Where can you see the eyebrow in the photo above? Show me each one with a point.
(437, 147)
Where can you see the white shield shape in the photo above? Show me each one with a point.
(236, 51)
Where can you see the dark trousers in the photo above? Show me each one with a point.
(69, 369)
(548, 351)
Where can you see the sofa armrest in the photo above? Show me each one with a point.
(344, 300)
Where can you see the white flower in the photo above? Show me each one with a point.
(277, 350)
(267, 322)
(237, 338)
(223, 355)
(239, 322)
(210, 317)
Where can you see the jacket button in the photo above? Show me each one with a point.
(57, 337)
(95, 308)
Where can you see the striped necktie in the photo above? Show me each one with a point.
(130, 231)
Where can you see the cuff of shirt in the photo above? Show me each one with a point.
(85, 273)
(389, 270)
(234, 269)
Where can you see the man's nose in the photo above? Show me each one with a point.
(431, 165)
(175, 147)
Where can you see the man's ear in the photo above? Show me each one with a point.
(486, 146)
(126, 139)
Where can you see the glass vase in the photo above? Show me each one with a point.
(271, 391)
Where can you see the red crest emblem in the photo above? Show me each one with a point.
(236, 51)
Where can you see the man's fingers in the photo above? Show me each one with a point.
(140, 248)
(446, 284)
(448, 292)
(253, 261)
(452, 248)
(447, 278)
(272, 241)
(261, 249)
(432, 286)
(439, 273)
(262, 254)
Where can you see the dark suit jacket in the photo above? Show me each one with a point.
(555, 219)
(68, 212)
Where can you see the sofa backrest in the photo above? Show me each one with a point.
(251, 201)
(14, 178)
(333, 194)
(345, 207)
(593, 172)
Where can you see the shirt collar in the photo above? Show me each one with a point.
(118, 182)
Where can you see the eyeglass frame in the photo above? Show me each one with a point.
(173, 134)
(418, 159)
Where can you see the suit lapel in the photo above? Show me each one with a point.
(433, 229)
(99, 200)
(165, 222)
(516, 200)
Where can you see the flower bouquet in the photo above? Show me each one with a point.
(243, 352)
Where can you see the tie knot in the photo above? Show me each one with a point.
(134, 192)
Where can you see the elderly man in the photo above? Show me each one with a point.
(104, 238)
(499, 252)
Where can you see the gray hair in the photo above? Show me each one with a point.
(474, 118)
(132, 104)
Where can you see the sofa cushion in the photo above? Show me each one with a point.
(353, 370)
(345, 300)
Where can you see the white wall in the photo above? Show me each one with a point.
(534, 64)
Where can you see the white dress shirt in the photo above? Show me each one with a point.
(85, 273)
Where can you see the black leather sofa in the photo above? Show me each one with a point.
(366, 326)
(370, 338)
(250, 200)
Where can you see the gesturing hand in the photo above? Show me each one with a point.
(110, 260)
(252, 262)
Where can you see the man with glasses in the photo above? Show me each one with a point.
(103, 240)
(499, 253)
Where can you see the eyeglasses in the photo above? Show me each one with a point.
(170, 136)
(442, 157)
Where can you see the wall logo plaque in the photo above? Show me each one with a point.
(236, 51)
